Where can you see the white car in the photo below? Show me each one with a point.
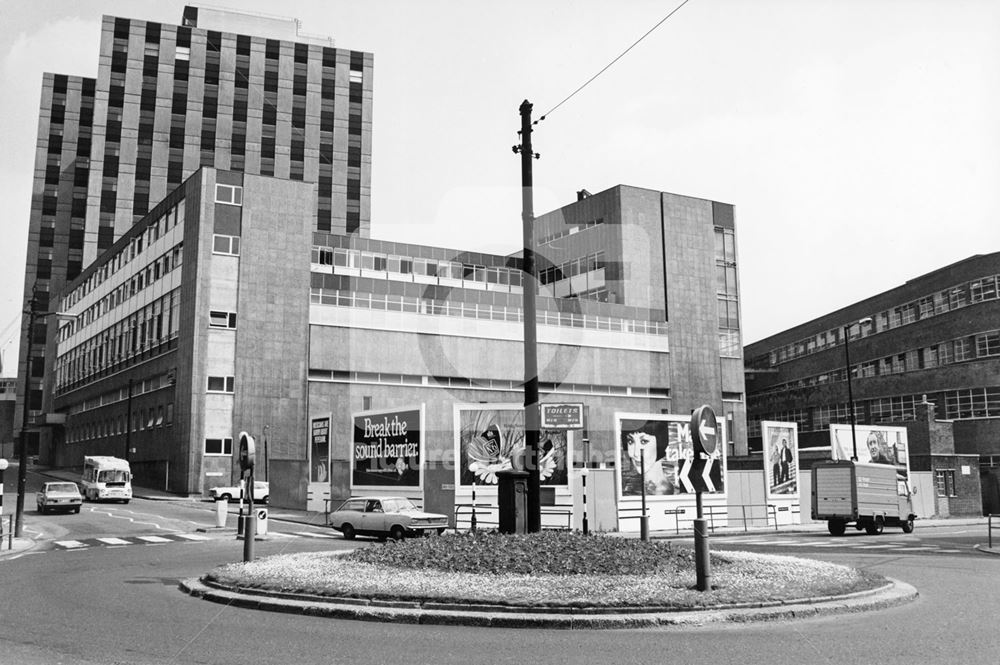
(59, 496)
(384, 516)
(261, 492)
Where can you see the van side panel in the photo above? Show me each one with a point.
(877, 491)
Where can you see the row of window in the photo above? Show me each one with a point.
(962, 349)
(346, 376)
(151, 418)
(961, 404)
(572, 268)
(143, 330)
(406, 265)
(167, 262)
(569, 230)
(154, 229)
(935, 304)
(396, 303)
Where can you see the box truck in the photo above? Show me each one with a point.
(869, 496)
(106, 479)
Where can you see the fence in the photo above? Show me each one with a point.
(480, 510)
(749, 515)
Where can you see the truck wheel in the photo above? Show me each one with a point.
(836, 527)
(907, 526)
(876, 527)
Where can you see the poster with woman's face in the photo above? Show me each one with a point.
(655, 454)
(491, 440)
(781, 459)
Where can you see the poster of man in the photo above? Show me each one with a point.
(387, 449)
(781, 458)
(875, 444)
(653, 452)
(491, 439)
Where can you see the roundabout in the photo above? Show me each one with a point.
(550, 580)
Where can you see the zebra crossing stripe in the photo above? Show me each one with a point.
(71, 544)
(192, 536)
(114, 541)
(311, 534)
(155, 539)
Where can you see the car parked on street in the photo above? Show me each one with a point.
(59, 496)
(384, 517)
(261, 492)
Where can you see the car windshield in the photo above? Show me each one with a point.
(62, 487)
(397, 505)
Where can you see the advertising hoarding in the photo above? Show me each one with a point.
(387, 449)
(876, 444)
(319, 449)
(781, 458)
(490, 438)
(660, 445)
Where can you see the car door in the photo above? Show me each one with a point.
(374, 516)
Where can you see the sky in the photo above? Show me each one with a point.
(858, 141)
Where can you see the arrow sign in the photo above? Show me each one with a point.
(709, 487)
(704, 429)
(683, 469)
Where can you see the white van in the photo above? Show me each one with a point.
(106, 479)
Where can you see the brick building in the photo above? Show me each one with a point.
(934, 339)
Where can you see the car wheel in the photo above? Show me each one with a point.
(908, 526)
(77, 510)
(836, 527)
(226, 497)
(265, 499)
(125, 501)
(397, 533)
(441, 531)
(348, 532)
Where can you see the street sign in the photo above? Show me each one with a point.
(562, 416)
(248, 452)
(704, 430)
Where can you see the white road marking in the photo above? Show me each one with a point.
(70, 544)
(310, 534)
(114, 541)
(192, 536)
(154, 539)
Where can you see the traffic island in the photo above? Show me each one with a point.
(544, 580)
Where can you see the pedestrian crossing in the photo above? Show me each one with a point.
(833, 543)
(126, 541)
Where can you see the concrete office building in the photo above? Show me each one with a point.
(925, 355)
(216, 314)
(235, 91)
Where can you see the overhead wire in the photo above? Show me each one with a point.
(609, 65)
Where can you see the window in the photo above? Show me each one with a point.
(226, 245)
(219, 446)
(944, 479)
(217, 319)
(220, 384)
(183, 53)
(229, 194)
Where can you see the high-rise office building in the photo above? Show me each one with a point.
(224, 89)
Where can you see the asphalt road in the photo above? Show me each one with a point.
(108, 603)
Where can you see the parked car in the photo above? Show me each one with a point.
(59, 496)
(261, 492)
(384, 516)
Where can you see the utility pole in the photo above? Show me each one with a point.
(22, 439)
(531, 416)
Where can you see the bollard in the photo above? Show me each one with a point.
(239, 522)
(248, 537)
(261, 518)
(221, 513)
(644, 527)
(703, 568)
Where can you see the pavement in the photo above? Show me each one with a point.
(893, 593)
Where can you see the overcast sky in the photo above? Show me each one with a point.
(858, 141)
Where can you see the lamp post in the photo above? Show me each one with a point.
(850, 392)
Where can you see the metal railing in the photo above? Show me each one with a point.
(748, 514)
(488, 508)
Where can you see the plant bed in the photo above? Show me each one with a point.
(546, 570)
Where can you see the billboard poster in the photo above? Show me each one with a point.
(781, 458)
(387, 448)
(876, 444)
(319, 468)
(656, 451)
(490, 438)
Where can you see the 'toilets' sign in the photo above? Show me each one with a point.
(562, 416)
